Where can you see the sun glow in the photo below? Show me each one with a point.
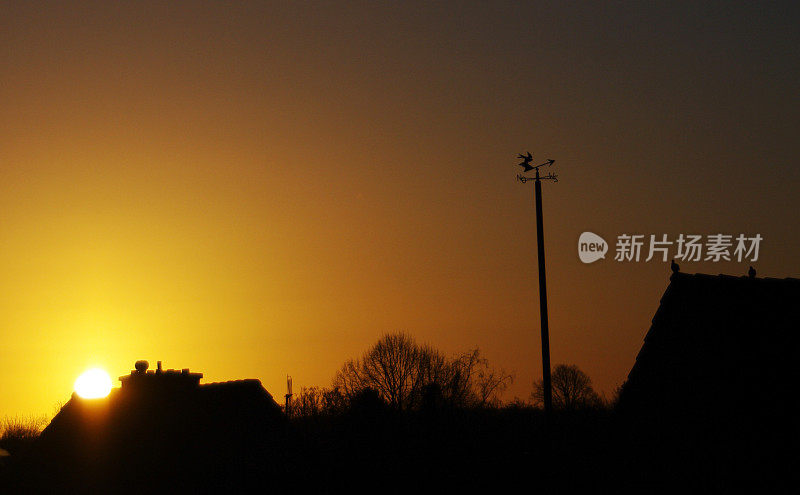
(93, 384)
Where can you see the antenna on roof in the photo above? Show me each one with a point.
(288, 395)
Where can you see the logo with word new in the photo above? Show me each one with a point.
(689, 247)
(591, 247)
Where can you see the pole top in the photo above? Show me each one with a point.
(527, 158)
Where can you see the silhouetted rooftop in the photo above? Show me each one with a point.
(717, 342)
(151, 404)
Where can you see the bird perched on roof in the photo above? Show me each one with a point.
(526, 161)
(675, 267)
(751, 272)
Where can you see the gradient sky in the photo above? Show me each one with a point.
(263, 189)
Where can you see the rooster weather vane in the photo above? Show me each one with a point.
(527, 167)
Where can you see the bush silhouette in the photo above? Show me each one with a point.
(20, 432)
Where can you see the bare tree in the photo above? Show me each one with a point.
(475, 382)
(402, 372)
(307, 402)
(316, 401)
(390, 367)
(572, 389)
(491, 383)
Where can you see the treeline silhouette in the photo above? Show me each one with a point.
(402, 375)
(402, 418)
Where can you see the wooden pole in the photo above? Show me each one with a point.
(546, 381)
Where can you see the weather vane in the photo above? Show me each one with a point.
(527, 167)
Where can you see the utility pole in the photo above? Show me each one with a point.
(546, 381)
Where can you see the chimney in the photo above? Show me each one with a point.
(158, 368)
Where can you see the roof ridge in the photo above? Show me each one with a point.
(726, 276)
(241, 380)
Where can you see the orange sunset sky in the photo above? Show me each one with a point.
(256, 189)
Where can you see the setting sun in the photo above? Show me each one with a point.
(93, 384)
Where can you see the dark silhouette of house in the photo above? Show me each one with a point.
(718, 343)
(164, 425)
(712, 395)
